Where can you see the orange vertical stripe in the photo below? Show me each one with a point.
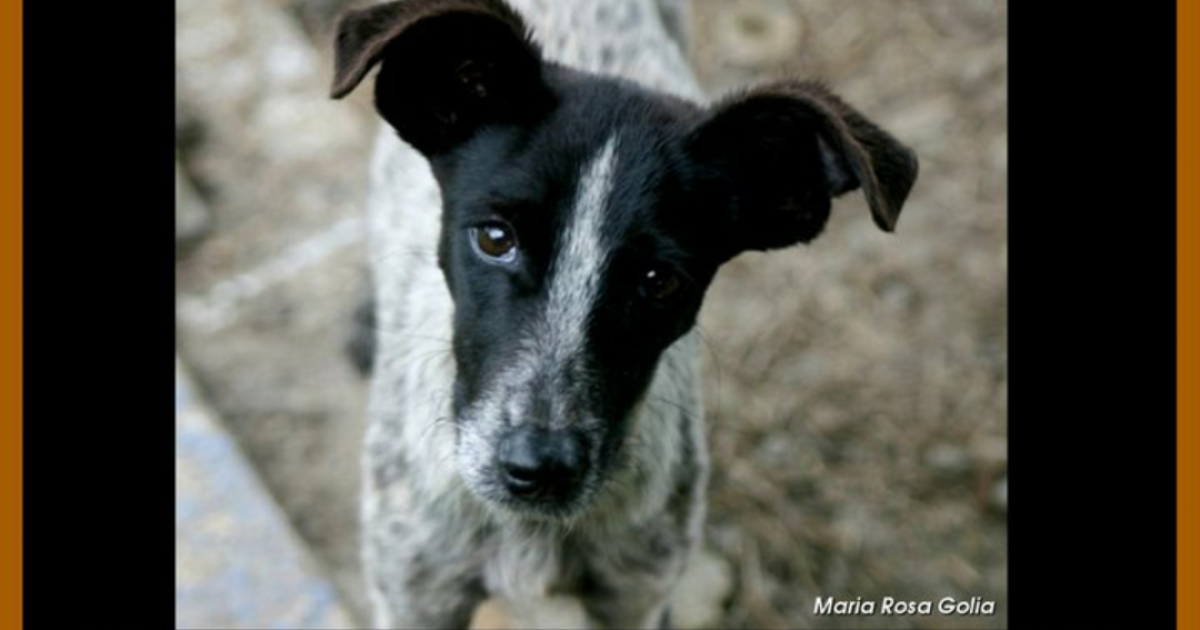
(1188, 313)
(10, 316)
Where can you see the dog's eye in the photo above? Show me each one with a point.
(495, 241)
(660, 284)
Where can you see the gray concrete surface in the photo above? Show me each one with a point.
(238, 563)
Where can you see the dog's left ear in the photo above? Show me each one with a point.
(784, 150)
(448, 67)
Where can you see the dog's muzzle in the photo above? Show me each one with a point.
(540, 465)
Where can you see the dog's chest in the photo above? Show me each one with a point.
(537, 578)
(525, 564)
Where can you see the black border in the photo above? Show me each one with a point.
(98, 313)
(1092, 315)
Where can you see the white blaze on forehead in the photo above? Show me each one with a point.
(574, 281)
(575, 273)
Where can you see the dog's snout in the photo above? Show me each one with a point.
(540, 464)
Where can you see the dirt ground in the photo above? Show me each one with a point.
(857, 386)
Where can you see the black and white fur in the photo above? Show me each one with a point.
(567, 364)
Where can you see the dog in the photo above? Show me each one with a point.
(550, 197)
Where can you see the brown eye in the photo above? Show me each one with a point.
(495, 241)
(660, 284)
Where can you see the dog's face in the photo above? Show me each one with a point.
(584, 217)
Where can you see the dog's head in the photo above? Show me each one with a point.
(584, 217)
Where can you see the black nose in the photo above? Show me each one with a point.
(540, 464)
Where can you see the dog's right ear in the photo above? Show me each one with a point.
(448, 67)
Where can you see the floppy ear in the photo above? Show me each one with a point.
(785, 150)
(448, 67)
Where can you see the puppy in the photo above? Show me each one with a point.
(550, 199)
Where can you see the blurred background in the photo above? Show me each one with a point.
(856, 386)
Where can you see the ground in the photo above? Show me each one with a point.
(857, 386)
